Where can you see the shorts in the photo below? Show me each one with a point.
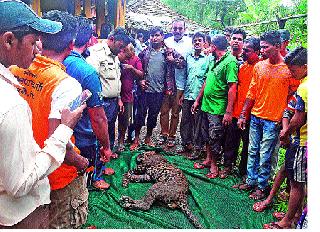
(296, 163)
(213, 132)
(69, 206)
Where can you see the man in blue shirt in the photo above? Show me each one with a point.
(197, 65)
(93, 126)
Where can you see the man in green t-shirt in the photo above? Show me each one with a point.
(218, 94)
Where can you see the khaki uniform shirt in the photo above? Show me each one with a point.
(108, 67)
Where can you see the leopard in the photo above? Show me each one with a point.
(171, 187)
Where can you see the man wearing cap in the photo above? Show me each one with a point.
(24, 186)
(57, 90)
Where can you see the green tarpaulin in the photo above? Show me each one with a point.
(213, 201)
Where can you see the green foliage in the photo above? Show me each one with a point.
(218, 14)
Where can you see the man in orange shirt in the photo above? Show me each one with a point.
(267, 97)
(251, 51)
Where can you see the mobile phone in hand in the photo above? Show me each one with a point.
(80, 100)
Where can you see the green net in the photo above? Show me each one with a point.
(212, 201)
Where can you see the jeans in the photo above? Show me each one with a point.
(93, 155)
(111, 109)
(263, 137)
(148, 103)
(169, 124)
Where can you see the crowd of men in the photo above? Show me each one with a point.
(230, 88)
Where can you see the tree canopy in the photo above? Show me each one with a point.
(218, 14)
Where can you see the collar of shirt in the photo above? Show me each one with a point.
(162, 50)
(182, 40)
(7, 76)
(200, 55)
(223, 57)
(43, 61)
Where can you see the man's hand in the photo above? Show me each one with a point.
(121, 106)
(194, 107)
(127, 66)
(73, 158)
(106, 154)
(180, 100)
(144, 84)
(168, 92)
(242, 123)
(227, 119)
(284, 138)
(70, 118)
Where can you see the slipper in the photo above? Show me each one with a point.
(274, 225)
(260, 206)
(150, 144)
(224, 173)
(134, 146)
(162, 140)
(258, 194)
(108, 171)
(278, 215)
(121, 147)
(171, 142)
(200, 166)
(114, 155)
(246, 187)
(283, 195)
(212, 175)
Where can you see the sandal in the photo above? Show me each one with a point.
(194, 155)
(150, 144)
(121, 147)
(274, 225)
(171, 142)
(114, 155)
(278, 215)
(162, 140)
(224, 173)
(134, 146)
(260, 206)
(101, 185)
(212, 175)
(108, 171)
(246, 187)
(200, 165)
(258, 194)
(183, 148)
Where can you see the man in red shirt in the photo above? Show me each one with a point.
(131, 70)
(251, 51)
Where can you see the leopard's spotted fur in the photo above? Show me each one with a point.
(171, 185)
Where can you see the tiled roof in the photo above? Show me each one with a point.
(143, 14)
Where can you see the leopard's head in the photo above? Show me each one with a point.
(150, 158)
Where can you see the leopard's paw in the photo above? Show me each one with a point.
(126, 202)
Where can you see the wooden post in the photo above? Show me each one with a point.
(77, 7)
(36, 7)
(87, 8)
(101, 12)
(120, 14)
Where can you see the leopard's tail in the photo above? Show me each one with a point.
(192, 218)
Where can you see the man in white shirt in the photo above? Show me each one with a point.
(183, 45)
(24, 186)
